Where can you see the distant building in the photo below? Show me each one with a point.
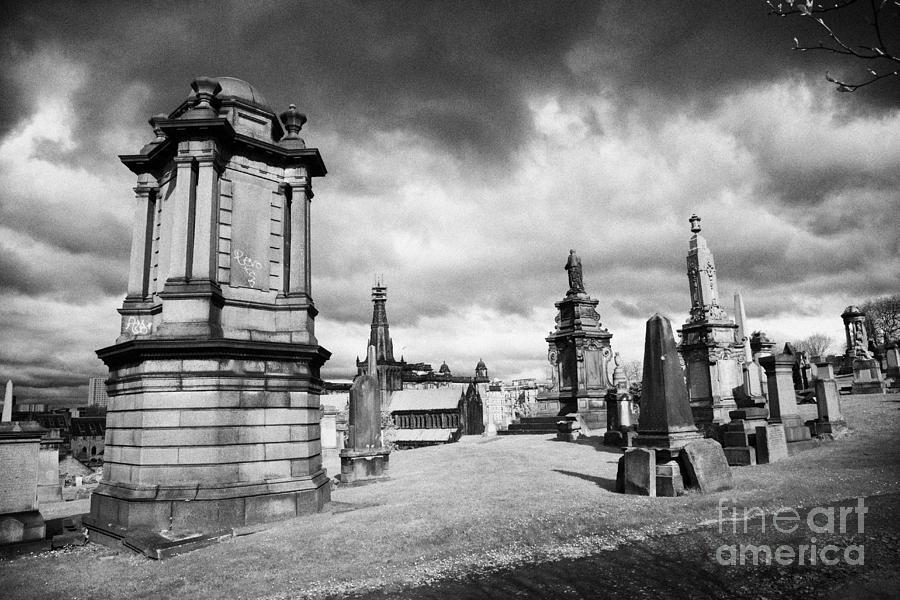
(97, 392)
(428, 417)
(87, 437)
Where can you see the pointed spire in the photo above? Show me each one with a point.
(371, 363)
(665, 406)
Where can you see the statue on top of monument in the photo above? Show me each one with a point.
(573, 268)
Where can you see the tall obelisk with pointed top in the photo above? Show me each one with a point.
(711, 354)
(7, 403)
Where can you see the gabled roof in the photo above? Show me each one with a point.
(443, 398)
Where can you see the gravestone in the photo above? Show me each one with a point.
(892, 360)
(666, 421)
(364, 458)
(214, 380)
(639, 472)
(705, 466)
(830, 420)
(737, 443)
(771, 443)
(782, 397)
(620, 407)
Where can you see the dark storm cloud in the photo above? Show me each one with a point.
(457, 73)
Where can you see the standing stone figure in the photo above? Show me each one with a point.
(573, 267)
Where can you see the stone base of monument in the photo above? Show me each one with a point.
(867, 378)
(364, 466)
(825, 429)
(739, 441)
(538, 425)
(795, 430)
(186, 517)
(568, 428)
(669, 481)
(619, 439)
(27, 526)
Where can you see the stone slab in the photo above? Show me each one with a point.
(740, 456)
(358, 467)
(771, 443)
(705, 466)
(735, 439)
(751, 412)
(639, 472)
(797, 434)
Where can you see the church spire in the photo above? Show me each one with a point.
(380, 337)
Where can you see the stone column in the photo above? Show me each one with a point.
(301, 196)
(206, 213)
(141, 235)
(182, 221)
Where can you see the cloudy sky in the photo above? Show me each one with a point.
(469, 146)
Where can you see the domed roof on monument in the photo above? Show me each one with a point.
(238, 89)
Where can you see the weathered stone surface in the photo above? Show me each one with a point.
(669, 481)
(740, 456)
(705, 466)
(638, 467)
(666, 420)
(828, 400)
(771, 443)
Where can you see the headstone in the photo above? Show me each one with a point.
(892, 360)
(8, 403)
(782, 397)
(214, 379)
(666, 420)
(771, 443)
(639, 472)
(824, 370)
(706, 466)
(364, 458)
(828, 403)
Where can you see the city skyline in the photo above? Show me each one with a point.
(468, 150)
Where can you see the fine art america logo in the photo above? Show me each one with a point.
(819, 520)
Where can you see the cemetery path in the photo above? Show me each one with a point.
(863, 563)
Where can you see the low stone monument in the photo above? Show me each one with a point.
(365, 458)
(666, 424)
(620, 410)
(20, 441)
(711, 354)
(830, 421)
(867, 377)
(771, 444)
(7, 403)
(782, 397)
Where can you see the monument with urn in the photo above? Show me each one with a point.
(213, 417)
(711, 354)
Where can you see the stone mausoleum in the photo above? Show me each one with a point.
(213, 417)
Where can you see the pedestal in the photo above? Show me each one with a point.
(208, 435)
(359, 466)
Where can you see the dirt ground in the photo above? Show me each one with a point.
(524, 511)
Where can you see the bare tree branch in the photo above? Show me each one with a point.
(836, 44)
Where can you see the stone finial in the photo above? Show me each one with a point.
(293, 121)
(695, 223)
(205, 90)
(157, 130)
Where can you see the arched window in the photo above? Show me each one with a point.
(93, 450)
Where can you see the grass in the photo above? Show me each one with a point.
(480, 504)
